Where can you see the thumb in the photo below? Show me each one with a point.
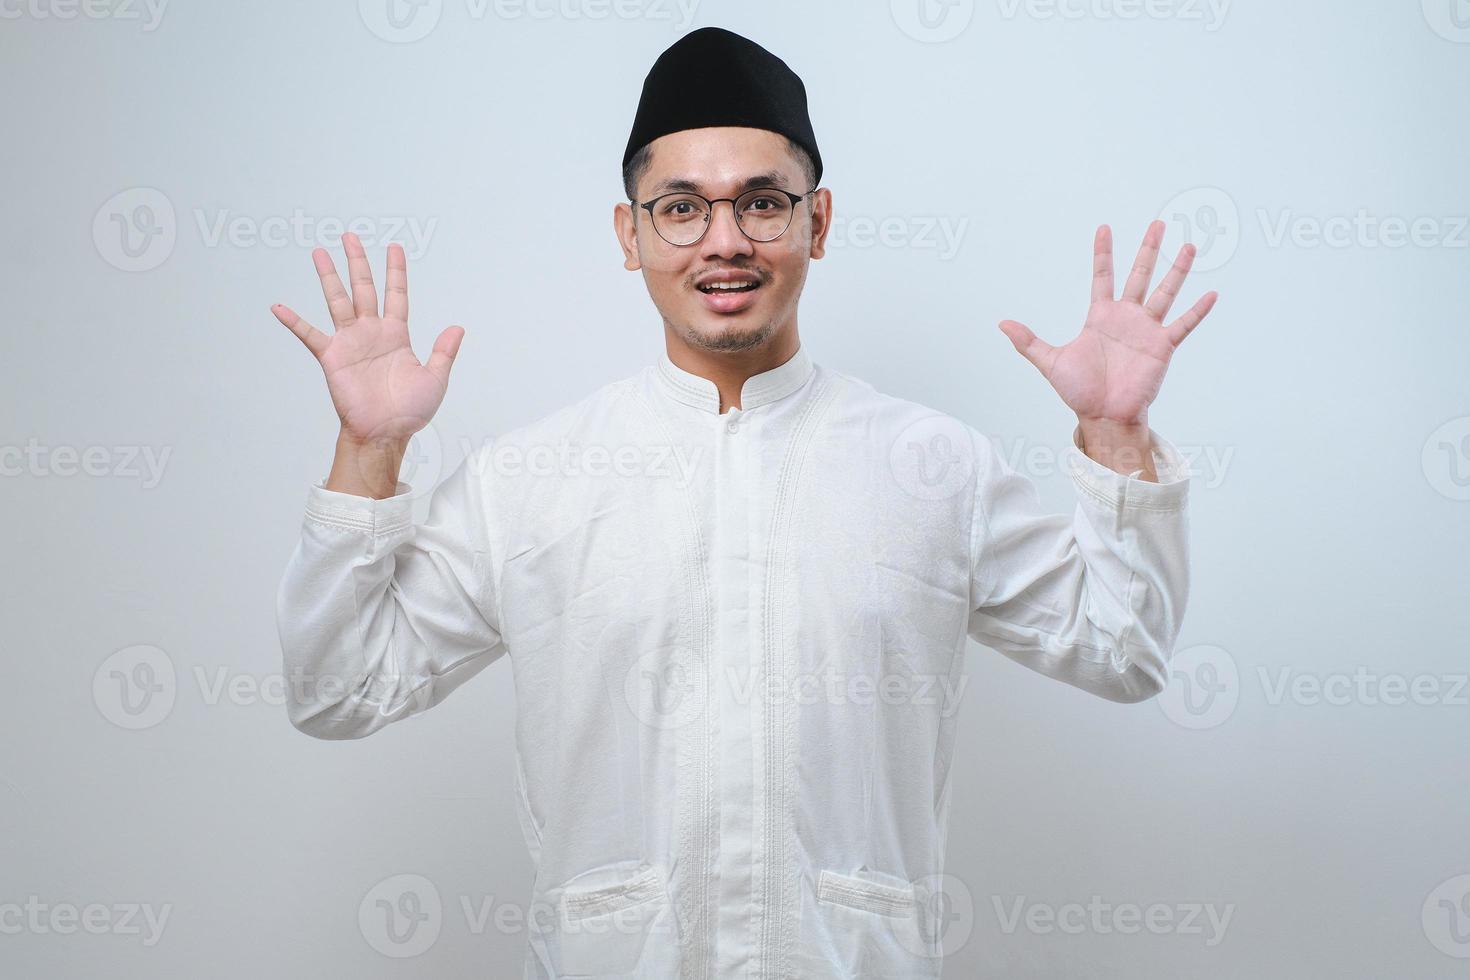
(441, 359)
(1032, 347)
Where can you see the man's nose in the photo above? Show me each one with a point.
(724, 238)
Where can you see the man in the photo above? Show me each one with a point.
(733, 583)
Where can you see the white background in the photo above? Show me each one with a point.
(1326, 399)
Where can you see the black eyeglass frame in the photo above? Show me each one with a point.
(710, 212)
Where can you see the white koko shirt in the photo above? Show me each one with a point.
(736, 642)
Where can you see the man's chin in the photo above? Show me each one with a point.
(733, 332)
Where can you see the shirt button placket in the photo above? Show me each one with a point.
(732, 666)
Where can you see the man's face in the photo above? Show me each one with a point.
(718, 162)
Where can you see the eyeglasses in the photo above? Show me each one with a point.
(762, 214)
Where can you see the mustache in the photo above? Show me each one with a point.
(761, 276)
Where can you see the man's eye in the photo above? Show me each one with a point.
(761, 204)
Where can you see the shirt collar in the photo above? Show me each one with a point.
(759, 389)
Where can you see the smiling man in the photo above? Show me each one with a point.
(735, 679)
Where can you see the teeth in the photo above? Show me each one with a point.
(728, 285)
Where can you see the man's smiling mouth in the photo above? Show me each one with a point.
(728, 291)
(729, 287)
(724, 281)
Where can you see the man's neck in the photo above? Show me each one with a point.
(729, 370)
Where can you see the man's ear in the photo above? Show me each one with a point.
(821, 221)
(627, 232)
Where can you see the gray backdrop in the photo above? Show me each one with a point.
(1292, 806)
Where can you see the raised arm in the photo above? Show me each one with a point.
(380, 618)
(1095, 599)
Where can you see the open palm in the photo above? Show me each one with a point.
(1114, 368)
(378, 386)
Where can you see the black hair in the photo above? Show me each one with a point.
(638, 165)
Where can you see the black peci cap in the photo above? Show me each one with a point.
(715, 77)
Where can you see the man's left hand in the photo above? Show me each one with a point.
(1111, 372)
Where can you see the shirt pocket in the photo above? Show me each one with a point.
(892, 900)
(613, 922)
(868, 924)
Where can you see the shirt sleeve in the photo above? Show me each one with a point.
(380, 618)
(1095, 600)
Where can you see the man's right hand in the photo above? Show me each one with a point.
(381, 392)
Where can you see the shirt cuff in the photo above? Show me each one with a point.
(354, 513)
(1115, 489)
